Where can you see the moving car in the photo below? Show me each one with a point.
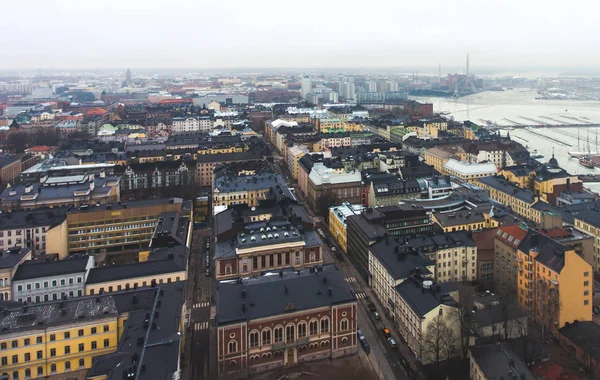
(365, 345)
(392, 342)
(207, 272)
(386, 332)
(376, 315)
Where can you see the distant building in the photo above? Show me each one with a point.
(10, 260)
(467, 171)
(337, 222)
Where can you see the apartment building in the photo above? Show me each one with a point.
(269, 322)
(192, 124)
(554, 282)
(338, 229)
(97, 332)
(247, 183)
(495, 361)
(419, 303)
(454, 254)
(52, 192)
(323, 180)
(38, 281)
(507, 242)
(391, 262)
(108, 228)
(156, 267)
(27, 228)
(10, 260)
(437, 158)
(464, 220)
(520, 200)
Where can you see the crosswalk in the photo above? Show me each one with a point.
(201, 304)
(361, 295)
(350, 279)
(200, 326)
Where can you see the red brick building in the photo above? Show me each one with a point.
(272, 322)
(581, 340)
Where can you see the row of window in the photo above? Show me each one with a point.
(53, 297)
(292, 332)
(52, 338)
(53, 283)
(134, 286)
(40, 370)
(19, 232)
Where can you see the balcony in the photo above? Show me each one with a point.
(554, 281)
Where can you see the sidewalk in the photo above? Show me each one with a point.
(406, 353)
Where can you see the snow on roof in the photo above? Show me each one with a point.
(466, 168)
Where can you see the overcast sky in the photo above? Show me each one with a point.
(303, 34)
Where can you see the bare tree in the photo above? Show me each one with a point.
(548, 306)
(462, 315)
(438, 341)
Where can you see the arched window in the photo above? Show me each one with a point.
(15, 375)
(4, 376)
(27, 373)
(290, 333)
(266, 336)
(301, 330)
(344, 340)
(324, 325)
(232, 364)
(278, 334)
(254, 339)
(232, 347)
(40, 371)
(314, 327)
(344, 324)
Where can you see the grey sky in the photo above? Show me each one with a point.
(308, 33)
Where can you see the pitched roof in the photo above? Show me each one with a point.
(33, 269)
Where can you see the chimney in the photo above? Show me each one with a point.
(28, 188)
(329, 291)
(568, 185)
(243, 307)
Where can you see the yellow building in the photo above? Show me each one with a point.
(109, 228)
(337, 222)
(294, 154)
(554, 282)
(437, 158)
(81, 333)
(520, 200)
(156, 267)
(459, 220)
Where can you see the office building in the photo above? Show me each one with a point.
(109, 228)
(306, 87)
(269, 322)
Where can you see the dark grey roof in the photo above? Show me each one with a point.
(498, 361)
(45, 192)
(551, 252)
(440, 241)
(422, 301)
(586, 335)
(10, 258)
(150, 345)
(41, 315)
(33, 269)
(456, 218)
(131, 204)
(278, 294)
(158, 262)
(500, 184)
(400, 260)
(171, 229)
(7, 159)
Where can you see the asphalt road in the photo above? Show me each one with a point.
(201, 329)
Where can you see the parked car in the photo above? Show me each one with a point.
(371, 306)
(207, 272)
(410, 374)
(360, 334)
(386, 332)
(376, 315)
(365, 345)
(596, 310)
(392, 342)
(207, 261)
(404, 363)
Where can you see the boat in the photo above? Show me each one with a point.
(580, 154)
(537, 156)
(586, 162)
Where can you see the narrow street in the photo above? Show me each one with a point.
(201, 344)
